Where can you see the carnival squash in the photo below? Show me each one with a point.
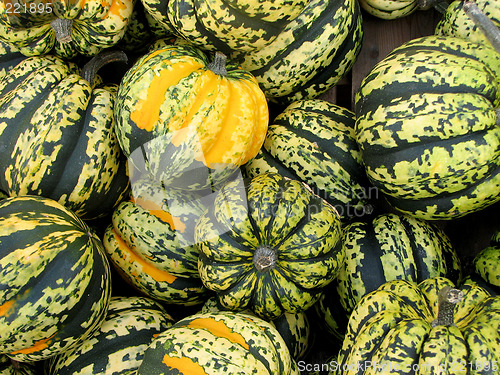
(268, 245)
(219, 343)
(54, 279)
(427, 126)
(431, 327)
(63, 28)
(188, 122)
(118, 347)
(57, 139)
(313, 141)
(150, 241)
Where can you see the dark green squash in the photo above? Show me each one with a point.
(268, 245)
(58, 139)
(54, 279)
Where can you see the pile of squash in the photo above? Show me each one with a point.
(177, 198)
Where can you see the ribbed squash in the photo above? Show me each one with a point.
(312, 54)
(295, 329)
(269, 245)
(380, 249)
(486, 266)
(391, 247)
(430, 328)
(189, 122)
(225, 343)
(54, 279)
(63, 28)
(313, 141)
(118, 347)
(223, 25)
(57, 137)
(151, 242)
(456, 22)
(426, 124)
(393, 9)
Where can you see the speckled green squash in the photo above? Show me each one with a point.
(151, 242)
(54, 279)
(486, 266)
(216, 343)
(93, 25)
(295, 329)
(118, 347)
(188, 121)
(269, 245)
(389, 9)
(313, 141)
(404, 324)
(391, 247)
(426, 124)
(455, 21)
(9, 58)
(312, 53)
(220, 25)
(57, 137)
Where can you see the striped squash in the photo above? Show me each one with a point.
(391, 247)
(404, 327)
(313, 141)
(486, 266)
(426, 124)
(393, 9)
(151, 242)
(295, 329)
(189, 122)
(54, 279)
(456, 22)
(225, 343)
(268, 245)
(63, 28)
(9, 58)
(312, 53)
(118, 347)
(225, 25)
(57, 137)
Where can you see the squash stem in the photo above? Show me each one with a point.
(91, 68)
(439, 5)
(218, 65)
(484, 23)
(447, 299)
(497, 112)
(62, 28)
(265, 258)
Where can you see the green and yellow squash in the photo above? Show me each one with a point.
(394, 9)
(431, 327)
(392, 247)
(187, 121)
(63, 28)
(486, 266)
(456, 22)
(54, 279)
(269, 245)
(225, 26)
(118, 347)
(295, 328)
(57, 137)
(150, 241)
(311, 55)
(225, 343)
(313, 141)
(427, 125)
(9, 58)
